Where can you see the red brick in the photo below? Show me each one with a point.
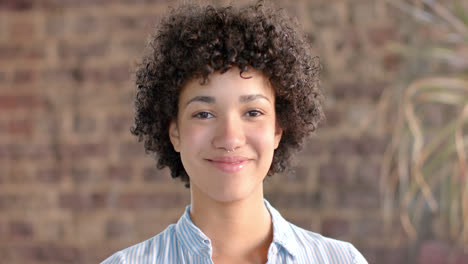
(22, 127)
(16, 5)
(30, 51)
(82, 50)
(97, 252)
(10, 102)
(119, 123)
(84, 123)
(122, 173)
(119, 73)
(48, 253)
(132, 46)
(372, 255)
(440, 252)
(381, 35)
(332, 118)
(151, 174)
(9, 51)
(25, 76)
(20, 230)
(371, 145)
(2, 229)
(359, 198)
(433, 252)
(293, 200)
(35, 51)
(395, 255)
(150, 200)
(21, 29)
(343, 146)
(334, 173)
(131, 150)
(26, 151)
(335, 227)
(88, 75)
(131, 2)
(368, 173)
(351, 39)
(116, 228)
(304, 222)
(435, 115)
(49, 175)
(363, 146)
(3, 77)
(392, 61)
(315, 147)
(374, 90)
(53, 230)
(84, 150)
(85, 24)
(82, 174)
(5, 252)
(460, 257)
(23, 202)
(81, 201)
(55, 24)
(297, 174)
(57, 74)
(386, 255)
(352, 90)
(368, 227)
(345, 89)
(18, 175)
(55, 4)
(124, 23)
(3, 130)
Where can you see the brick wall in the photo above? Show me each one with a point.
(75, 186)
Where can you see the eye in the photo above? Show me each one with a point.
(203, 115)
(254, 113)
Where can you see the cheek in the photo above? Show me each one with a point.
(262, 137)
(194, 136)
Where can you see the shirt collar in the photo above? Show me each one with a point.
(191, 237)
(195, 241)
(283, 234)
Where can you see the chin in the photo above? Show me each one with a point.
(229, 198)
(228, 195)
(226, 188)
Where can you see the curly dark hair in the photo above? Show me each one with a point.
(195, 41)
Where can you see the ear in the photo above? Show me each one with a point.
(174, 135)
(278, 134)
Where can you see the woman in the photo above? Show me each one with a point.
(223, 99)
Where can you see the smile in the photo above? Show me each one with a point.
(229, 166)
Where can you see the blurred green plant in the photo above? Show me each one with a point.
(426, 164)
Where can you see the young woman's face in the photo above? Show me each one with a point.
(226, 134)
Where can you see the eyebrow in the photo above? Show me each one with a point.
(212, 100)
(203, 99)
(252, 97)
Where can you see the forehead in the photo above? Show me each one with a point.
(229, 84)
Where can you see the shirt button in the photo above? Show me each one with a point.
(206, 241)
(274, 251)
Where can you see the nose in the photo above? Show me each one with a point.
(229, 134)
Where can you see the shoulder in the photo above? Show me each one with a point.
(151, 249)
(326, 249)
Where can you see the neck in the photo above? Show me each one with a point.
(247, 223)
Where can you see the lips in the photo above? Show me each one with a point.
(229, 164)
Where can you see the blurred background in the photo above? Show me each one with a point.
(386, 171)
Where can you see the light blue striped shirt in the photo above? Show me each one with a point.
(185, 243)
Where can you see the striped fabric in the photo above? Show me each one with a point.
(185, 243)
